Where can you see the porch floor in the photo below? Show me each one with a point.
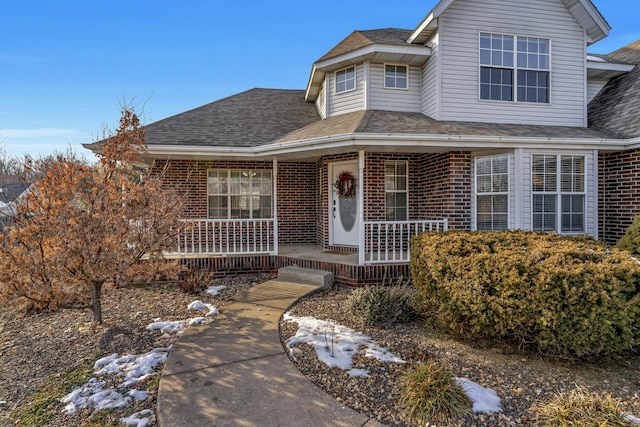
(316, 253)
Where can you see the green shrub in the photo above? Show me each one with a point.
(631, 239)
(428, 392)
(382, 305)
(566, 296)
(582, 408)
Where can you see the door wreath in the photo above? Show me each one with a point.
(345, 185)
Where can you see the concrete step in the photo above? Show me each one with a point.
(306, 276)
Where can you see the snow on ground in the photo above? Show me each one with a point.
(336, 345)
(135, 420)
(133, 369)
(214, 290)
(199, 306)
(485, 400)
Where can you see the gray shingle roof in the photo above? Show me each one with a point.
(248, 119)
(376, 122)
(362, 38)
(617, 107)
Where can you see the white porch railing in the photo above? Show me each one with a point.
(228, 237)
(389, 241)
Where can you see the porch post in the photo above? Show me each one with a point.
(361, 229)
(275, 206)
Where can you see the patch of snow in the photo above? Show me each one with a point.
(137, 419)
(138, 395)
(335, 344)
(631, 419)
(196, 321)
(92, 394)
(199, 306)
(214, 290)
(485, 400)
(358, 373)
(176, 326)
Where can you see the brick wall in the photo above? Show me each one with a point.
(619, 188)
(297, 202)
(446, 184)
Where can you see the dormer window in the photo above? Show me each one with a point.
(395, 76)
(514, 68)
(346, 80)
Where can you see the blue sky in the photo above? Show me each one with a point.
(67, 66)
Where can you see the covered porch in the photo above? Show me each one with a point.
(380, 242)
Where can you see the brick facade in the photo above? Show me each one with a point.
(619, 193)
(439, 187)
(297, 210)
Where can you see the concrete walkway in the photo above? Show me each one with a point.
(235, 372)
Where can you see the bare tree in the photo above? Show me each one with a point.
(88, 225)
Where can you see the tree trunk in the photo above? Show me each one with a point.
(96, 290)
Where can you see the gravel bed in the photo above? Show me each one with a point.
(38, 348)
(522, 380)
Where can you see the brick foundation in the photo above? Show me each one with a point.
(344, 274)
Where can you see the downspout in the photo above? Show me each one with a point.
(275, 206)
(361, 248)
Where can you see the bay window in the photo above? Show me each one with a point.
(492, 192)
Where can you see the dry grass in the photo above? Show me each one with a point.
(582, 408)
(429, 392)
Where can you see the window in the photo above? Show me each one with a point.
(234, 194)
(395, 76)
(395, 185)
(346, 80)
(514, 67)
(492, 192)
(558, 188)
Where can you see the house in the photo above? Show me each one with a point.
(10, 195)
(489, 115)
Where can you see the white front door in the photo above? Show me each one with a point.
(343, 209)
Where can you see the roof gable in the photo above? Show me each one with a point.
(584, 12)
(362, 38)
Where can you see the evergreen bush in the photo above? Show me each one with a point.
(382, 305)
(631, 239)
(566, 296)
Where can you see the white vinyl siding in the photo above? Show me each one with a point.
(346, 102)
(460, 27)
(594, 86)
(321, 101)
(431, 83)
(381, 98)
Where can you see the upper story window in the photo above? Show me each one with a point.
(346, 80)
(514, 68)
(234, 194)
(395, 76)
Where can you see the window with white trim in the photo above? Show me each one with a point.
(492, 192)
(558, 191)
(235, 194)
(514, 68)
(395, 76)
(346, 80)
(396, 191)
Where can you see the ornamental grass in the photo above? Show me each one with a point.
(429, 392)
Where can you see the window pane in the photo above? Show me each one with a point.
(544, 212)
